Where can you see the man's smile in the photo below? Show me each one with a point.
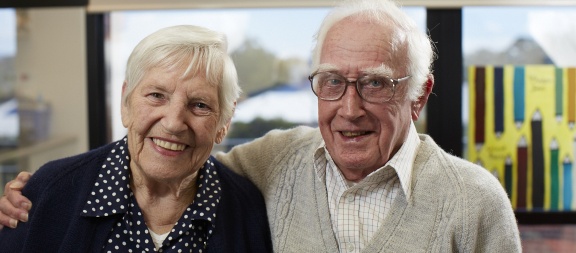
(353, 134)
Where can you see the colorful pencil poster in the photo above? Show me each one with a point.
(522, 129)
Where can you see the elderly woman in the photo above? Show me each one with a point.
(157, 189)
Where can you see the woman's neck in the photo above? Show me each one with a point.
(163, 204)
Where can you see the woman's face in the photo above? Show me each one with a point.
(172, 124)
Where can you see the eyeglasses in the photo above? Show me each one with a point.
(372, 88)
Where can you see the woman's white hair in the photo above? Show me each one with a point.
(419, 47)
(199, 48)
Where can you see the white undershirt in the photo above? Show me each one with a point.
(158, 239)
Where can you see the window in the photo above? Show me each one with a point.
(519, 89)
(9, 126)
(9, 120)
(270, 47)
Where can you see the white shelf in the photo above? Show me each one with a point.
(49, 144)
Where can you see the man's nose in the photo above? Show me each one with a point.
(352, 103)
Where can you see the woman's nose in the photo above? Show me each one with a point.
(174, 119)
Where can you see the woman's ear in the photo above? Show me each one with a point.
(124, 110)
(224, 130)
(419, 104)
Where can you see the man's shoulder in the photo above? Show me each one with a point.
(295, 133)
(452, 170)
(443, 178)
(294, 138)
(277, 143)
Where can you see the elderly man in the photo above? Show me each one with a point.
(365, 180)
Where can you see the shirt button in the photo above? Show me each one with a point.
(350, 198)
(350, 247)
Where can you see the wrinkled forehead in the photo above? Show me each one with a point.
(382, 70)
(357, 44)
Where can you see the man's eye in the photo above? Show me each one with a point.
(333, 81)
(374, 83)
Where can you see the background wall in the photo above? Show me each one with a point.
(51, 63)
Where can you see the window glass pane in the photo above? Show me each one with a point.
(270, 47)
(9, 120)
(8, 106)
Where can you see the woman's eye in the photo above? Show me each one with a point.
(156, 95)
(201, 108)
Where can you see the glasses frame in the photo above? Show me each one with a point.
(393, 81)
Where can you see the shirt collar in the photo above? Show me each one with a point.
(402, 162)
(111, 192)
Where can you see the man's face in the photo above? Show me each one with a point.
(172, 124)
(362, 136)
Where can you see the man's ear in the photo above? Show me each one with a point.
(124, 110)
(419, 104)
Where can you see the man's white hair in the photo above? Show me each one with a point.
(419, 47)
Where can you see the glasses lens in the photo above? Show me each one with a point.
(376, 88)
(372, 88)
(328, 86)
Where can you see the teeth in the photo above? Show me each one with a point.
(169, 145)
(353, 134)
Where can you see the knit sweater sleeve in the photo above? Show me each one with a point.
(258, 160)
(491, 225)
(468, 206)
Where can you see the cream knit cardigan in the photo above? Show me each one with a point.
(455, 205)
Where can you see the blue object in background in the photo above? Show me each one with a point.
(9, 123)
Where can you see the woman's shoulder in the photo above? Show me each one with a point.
(69, 170)
(238, 189)
(232, 179)
(242, 222)
(76, 161)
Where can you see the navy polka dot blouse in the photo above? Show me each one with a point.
(111, 195)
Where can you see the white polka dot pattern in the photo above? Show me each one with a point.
(112, 195)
